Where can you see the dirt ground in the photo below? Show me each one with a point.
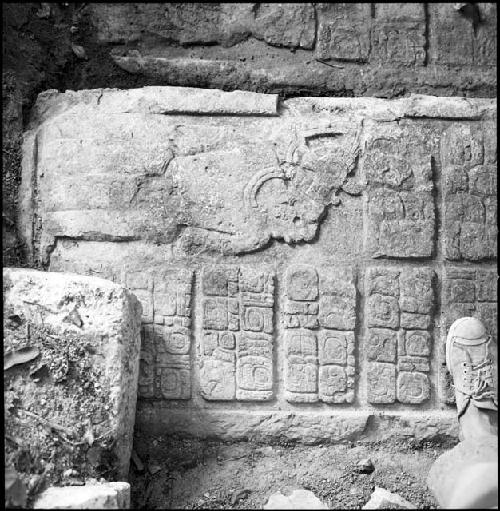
(191, 474)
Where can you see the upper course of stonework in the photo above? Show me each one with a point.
(206, 171)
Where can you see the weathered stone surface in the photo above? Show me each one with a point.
(298, 499)
(342, 32)
(93, 496)
(291, 25)
(248, 230)
(468, 156)
(320, 319)
(383, 499)
(85, 334)
(399, 307)
(309, 427)
(288, 25)
(237, 342)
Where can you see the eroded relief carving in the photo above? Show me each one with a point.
(165, 367)
(470, 192)
(400, 204)
(399, 344)
(319, 318)
(237, 336)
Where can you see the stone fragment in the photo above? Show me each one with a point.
(114, 495)
(383, 499)
(365, 466)
(298, 499)
(88, 372)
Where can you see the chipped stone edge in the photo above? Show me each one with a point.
(310, 427)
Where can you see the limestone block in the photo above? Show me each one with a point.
(398, 34)
(91, 496)
(238, 331)
(400, 306)
(298, 499)
(320, 364)
(470, 204)
(82, 380)
(451, 36)
(485, 44)
(343, 31)
(290, 25)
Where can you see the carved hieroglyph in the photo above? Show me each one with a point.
(237, 336)
(165, 367)
(320, 318)
(399, 344)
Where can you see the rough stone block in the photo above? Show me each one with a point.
(84, 335)
(291, 25)
(398, 41)
(451, 36)
(343, 32)
(90, 496)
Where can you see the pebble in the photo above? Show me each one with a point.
(365, 466)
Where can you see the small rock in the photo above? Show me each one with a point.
(298, 499)
(365, 466)
(44, 11)
(153, 468)
(383, 499)
(238, 495)
(79, 51)
(137, 462)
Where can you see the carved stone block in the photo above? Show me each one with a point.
(237, 334)
(381, 383)
(342, 32)
(382, 345)
(400, 224)
(383, 311)
(402, 301)
(470, 230)
(217, 379)
(413, 387)
(302, 283)
(319, 339)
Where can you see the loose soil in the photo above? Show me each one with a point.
(192, 474)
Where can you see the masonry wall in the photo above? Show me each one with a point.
(383, 50)
(298, 261)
